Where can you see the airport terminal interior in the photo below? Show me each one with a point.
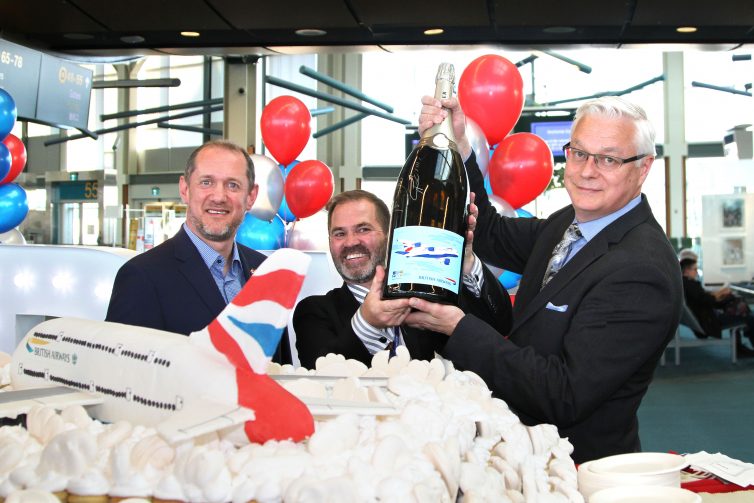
(105, 154)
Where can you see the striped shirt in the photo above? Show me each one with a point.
(379, 339)
(229, 284)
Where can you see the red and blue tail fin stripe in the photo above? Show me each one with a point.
(248, 330)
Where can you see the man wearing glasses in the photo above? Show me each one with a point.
(600, 295)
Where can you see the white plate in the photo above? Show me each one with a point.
(644, 495)
(643, 463)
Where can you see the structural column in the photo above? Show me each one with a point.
(341, 148)
(675, 147)
(240, 124)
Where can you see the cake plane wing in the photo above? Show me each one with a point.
(13, 403)
(202, 417)
(147, 376)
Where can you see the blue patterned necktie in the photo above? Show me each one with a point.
(559, 254)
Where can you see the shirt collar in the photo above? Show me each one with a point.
(358, 291)
(209, 255)
(593, 227)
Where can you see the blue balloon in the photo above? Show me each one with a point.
(285, 213)
(260, 234)
(13, 206)
(287, 169)
(487, 185)
(509, 279)
(8, 113)
(522, 213)
(6, 159)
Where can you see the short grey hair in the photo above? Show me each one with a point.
(614, 107)
(226, 145)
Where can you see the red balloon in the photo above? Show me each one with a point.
(18, 155)
(491, 92)
(286, 127)
(521, 168)
(308, 187)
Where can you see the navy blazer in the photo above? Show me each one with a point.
(583, 349)
(170, 288)
(323, 323)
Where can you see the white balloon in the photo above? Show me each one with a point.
(502, 206)
(310, 233)
(479, 143)
(269, 177)
(12, 237)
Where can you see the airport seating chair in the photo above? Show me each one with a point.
(689, 324)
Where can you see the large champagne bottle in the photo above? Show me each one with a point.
(428, 225)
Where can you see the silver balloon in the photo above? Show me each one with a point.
(269, 177)
(479, 143)
(12, 237)
(502, 206)
(495, 270)
(310, 233)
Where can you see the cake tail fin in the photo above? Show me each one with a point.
(248, 330)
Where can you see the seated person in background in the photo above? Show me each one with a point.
(717, 309)
(353, 320)
(182, 284)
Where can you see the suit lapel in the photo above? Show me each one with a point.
(193, 268)
(533, 300)
(346, 306)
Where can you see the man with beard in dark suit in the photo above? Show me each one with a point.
(600, 294)
(353, 320)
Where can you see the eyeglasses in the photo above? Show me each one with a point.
(604, 162)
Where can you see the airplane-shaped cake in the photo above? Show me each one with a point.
(184, 386)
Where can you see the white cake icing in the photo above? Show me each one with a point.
(32, 496)
(90, 483)
(451, 441)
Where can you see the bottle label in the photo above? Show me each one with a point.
(425, 255)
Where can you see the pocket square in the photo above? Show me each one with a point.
(560, 309)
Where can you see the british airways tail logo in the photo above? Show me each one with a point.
(249, 329)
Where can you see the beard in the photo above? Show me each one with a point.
(363, 273)
(224, 233)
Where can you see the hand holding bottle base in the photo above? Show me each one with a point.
(383, 313)
(426, 315)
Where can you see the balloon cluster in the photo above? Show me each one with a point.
(520, 167)
(13, 203)
(292, 192)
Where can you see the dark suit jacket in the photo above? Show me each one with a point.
(170, 288)
(323, 323)
(582, 351)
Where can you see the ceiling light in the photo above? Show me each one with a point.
(686, 29)
(132, 39)
(559, 30)
(310, 32)
(189, 33)
(434, 31)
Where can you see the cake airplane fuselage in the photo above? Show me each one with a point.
(213, 378)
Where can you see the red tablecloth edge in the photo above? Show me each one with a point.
(712, 486)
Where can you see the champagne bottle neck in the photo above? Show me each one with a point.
(435, 134)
